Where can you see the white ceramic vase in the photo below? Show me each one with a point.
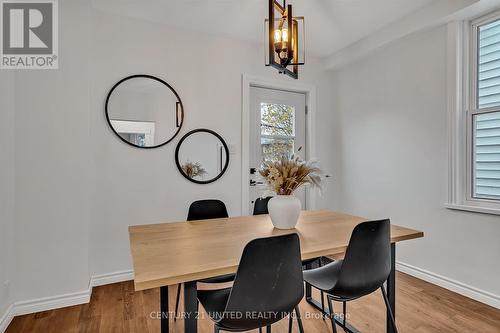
(284, 211)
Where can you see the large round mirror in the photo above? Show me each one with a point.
(202, 156)
(144, 111)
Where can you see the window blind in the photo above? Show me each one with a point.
(487, 125)
(489, 65)
(487, 155)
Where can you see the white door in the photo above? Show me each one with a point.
(277, 128)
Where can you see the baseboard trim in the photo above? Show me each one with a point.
(61, 301)
(115, 277)
(42, 304)
(6, 318)
(450, 284)
(50, 303)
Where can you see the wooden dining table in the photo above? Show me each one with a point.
(184, 252)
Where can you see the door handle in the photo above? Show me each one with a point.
(254, 183)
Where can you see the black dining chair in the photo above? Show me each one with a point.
(260, 208)
(268, 287)
(364, 269)
(205, 210)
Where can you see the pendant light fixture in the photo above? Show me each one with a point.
(284, 39)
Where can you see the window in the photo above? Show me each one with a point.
(474, 103)
(484, 111)
(140, 133)
(277, 131)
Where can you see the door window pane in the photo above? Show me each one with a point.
(277, 119)
(273, 149)
(277, 130)
(487, 156)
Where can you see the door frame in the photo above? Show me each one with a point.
(249, 81)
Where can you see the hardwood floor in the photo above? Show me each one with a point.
(421, 308)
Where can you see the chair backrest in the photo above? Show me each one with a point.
(367, 262)
(268, 284)
(207, 209)
(260, 206)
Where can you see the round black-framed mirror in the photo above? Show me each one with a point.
(144, 111)
(202, 156)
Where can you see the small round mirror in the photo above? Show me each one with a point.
(144, 111)
(202, 156)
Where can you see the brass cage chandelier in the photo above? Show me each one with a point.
(285, 39)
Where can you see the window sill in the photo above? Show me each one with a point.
(482, 210)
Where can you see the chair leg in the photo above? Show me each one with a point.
(299, 319)
(177, 298)
(320, 264)
(323, 305)
(268, 329)
(388, 306)
(332, 314)
(260, 329)
(344, 311)
(216, 329)
(290, 322)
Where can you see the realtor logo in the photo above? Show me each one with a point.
(29, 34)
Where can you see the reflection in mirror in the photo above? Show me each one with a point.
(144, 111)
(139, 133)
(202, 156)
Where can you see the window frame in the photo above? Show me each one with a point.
(473, 107)
(463, 65)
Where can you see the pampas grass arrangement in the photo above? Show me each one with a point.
(286, 175)
(192, 170)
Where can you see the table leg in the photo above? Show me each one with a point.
(164, 309)
(391, 289)
(308, 286)
(190, 307)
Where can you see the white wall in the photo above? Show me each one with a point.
(7, 186)
(391, 118)
(134, 186)
(52, 143)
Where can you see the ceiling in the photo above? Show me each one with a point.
(330, 24)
